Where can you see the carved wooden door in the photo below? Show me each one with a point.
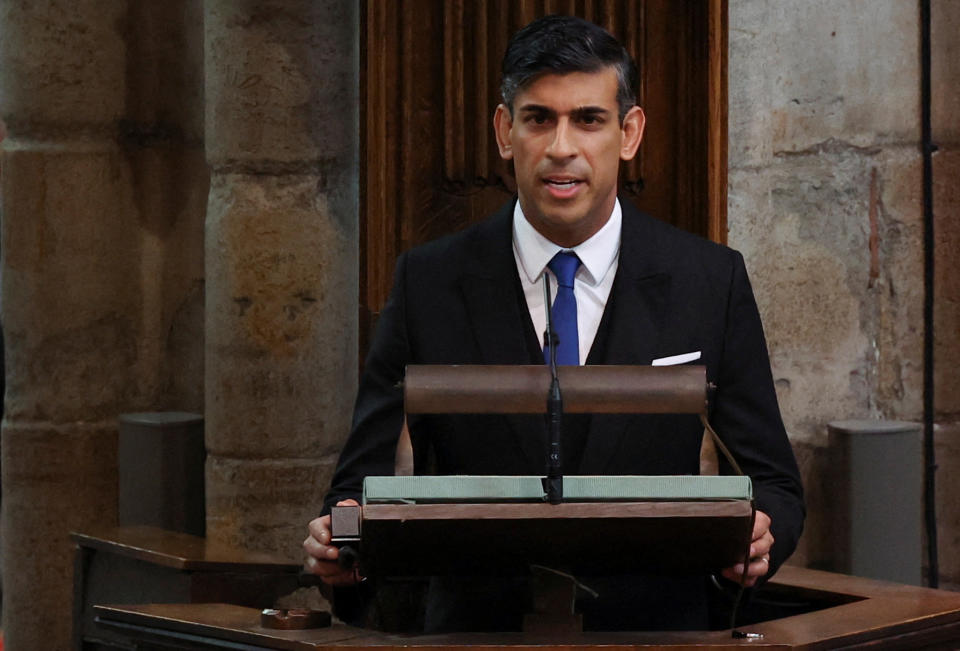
(430, 84)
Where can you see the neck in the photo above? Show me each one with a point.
(572, 232)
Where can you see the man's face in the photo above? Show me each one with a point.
(566, 142)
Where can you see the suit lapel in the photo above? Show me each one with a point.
(492, 296)
(632, 323)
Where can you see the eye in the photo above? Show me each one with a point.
(591, 120)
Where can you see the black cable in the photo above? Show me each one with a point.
(734, 633)
(928, 147)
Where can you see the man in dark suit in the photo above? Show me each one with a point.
(641, 292)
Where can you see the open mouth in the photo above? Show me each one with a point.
(562, 188)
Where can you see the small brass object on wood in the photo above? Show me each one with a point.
(294, 618)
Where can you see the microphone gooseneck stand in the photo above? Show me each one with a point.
(554, 479)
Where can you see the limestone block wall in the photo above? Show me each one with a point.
(104, 186)
(281, 248)
(152, 146)
(825, 202)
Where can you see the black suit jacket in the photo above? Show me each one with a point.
(458, 300)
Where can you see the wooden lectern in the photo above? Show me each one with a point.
(422, 526)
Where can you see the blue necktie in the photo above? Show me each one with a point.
(563, 314)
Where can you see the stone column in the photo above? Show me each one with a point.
(104, 189)
(70, 296)
(281, 261)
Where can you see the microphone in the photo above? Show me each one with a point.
(554, 479)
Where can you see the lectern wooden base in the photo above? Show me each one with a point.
(870, 614)
(680, 537)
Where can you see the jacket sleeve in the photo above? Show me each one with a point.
(747, 418)
(378, 413)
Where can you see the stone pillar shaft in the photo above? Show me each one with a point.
(104, 183)
(281, 256)
(67, 290)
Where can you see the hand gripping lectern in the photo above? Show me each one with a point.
(430, 525)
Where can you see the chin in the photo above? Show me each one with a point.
(568, 216)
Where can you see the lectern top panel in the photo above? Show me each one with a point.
(576, 488)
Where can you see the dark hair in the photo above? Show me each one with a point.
(564, 44)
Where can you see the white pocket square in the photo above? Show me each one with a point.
(676, 359)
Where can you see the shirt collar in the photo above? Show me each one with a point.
(597, 253)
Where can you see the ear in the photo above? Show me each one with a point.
(633, 123)
(502, 124)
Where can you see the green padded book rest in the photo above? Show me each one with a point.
(576, 488)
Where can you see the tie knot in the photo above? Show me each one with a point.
(564, 266)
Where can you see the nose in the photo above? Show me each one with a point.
(563, 144)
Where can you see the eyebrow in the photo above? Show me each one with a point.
(536, 108)
(579, 112)
(592, 111)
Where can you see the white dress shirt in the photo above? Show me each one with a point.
(591, 287)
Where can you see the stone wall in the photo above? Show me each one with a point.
(104, 185)
(151, 146)
(825, 201)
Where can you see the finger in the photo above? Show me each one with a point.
(321, 568)
(330, 573)
(761, 524)
(731, 574)
(319, 528)
(321, 556)
(316, 549)
(757, 569)
(761, 546)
